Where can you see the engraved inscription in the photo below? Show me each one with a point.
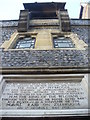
(50, 95)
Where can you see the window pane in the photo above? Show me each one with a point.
(27, 38)
(61, 38)
(62, 42)
(25, 43)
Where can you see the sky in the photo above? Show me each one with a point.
(10, 9)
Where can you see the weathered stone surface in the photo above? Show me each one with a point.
(44, 58)
(6, 33)
(79, 22)
(8, 23)
(82, 32)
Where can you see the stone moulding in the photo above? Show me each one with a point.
(73, 22)
(44, 78)
(43, 113)
(45, 70)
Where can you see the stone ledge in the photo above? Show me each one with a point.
(45, 70)
(11, 23)
(43, 113)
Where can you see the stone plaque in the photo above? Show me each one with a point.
(44, 95)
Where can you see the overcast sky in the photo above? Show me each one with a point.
(9, 9)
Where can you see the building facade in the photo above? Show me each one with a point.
(44, 63)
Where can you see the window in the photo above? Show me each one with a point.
(62, 42)
(30, 41)
(26, 42)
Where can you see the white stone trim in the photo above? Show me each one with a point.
(43, 113)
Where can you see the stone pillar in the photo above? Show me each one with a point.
(44, 40)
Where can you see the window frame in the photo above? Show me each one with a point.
(10, 44)
(21, 41)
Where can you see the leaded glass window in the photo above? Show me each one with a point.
(27, 42)
(62, 42)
